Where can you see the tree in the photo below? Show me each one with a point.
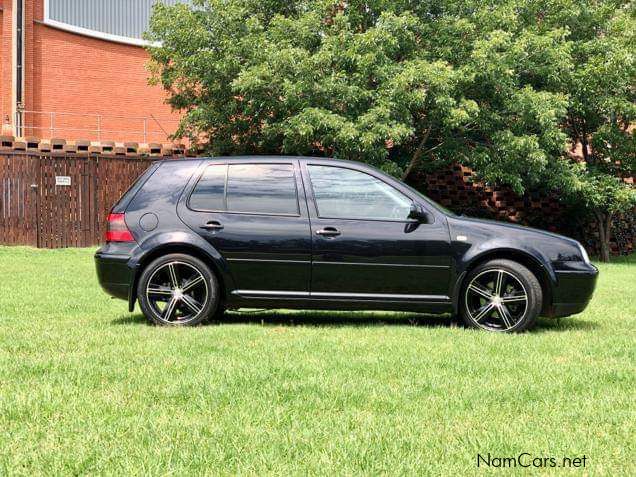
(370, 81)
(602, 110)
(406, 84)
(604, 196)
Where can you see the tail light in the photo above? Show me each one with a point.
(116, 229)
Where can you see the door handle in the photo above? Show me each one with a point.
(212, 225)
(328, 232)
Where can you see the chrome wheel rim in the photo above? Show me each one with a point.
(496, 300)
(177, 292)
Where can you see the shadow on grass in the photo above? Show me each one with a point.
(314, 318)
(355, 319)
(564, 324)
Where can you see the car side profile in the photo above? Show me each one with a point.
(193, 238)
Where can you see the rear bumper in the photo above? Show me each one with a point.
(573, 291)
(566, 309)
(114, 274)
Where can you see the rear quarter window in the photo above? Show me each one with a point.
(165, 186)
(121, 205)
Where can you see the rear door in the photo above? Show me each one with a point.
(253, 212)
(365, 247)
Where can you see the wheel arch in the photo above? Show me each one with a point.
(210, 257)
(544, 273)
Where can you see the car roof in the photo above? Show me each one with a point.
(274, 157)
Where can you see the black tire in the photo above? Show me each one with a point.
(192, 301)
(496, 304)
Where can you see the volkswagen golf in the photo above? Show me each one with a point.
(193, 238)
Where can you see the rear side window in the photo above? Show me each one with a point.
(247, 188)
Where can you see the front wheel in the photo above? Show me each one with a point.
(501, 295)
(178, 290)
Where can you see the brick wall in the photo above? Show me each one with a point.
(71, 73)
(458, 189)
(5, 63)
(78, 74)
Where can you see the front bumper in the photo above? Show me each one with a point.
(574, 289)
(114, 274)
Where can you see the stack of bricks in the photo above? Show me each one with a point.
(457, 188)
(85, 147)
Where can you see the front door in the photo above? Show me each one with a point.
(364, 247)
(250, 212)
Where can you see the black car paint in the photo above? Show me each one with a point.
(255, 246)
(278, 261)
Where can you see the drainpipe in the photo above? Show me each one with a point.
(19, 66)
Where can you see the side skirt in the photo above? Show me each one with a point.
(339, 301)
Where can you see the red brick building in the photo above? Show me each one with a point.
(77, 70)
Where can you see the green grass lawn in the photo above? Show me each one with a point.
(88, 388)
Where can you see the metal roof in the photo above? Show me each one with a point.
(110, 19)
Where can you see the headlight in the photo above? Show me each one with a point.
(586, 259)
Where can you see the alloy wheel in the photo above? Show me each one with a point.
(177, 292)
(496, 300)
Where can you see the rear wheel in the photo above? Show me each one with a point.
(501, 295)
(178, 290)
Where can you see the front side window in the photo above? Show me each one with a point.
(247, 188)
(349, 194)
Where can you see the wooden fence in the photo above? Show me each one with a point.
(61, 200)
(35, 211)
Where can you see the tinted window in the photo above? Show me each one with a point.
(256, 188)
(348, 194)
(209, 194)
(262, 188)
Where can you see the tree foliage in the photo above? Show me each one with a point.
(505, 87)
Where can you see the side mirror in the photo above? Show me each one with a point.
(418, 214)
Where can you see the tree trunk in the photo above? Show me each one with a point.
(605, 252)
(585, 149)
(417, 155)
(604, 224)
(585, 144)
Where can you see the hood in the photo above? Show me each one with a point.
(522, 229)
(493, 234)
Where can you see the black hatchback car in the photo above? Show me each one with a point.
(192, 238)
